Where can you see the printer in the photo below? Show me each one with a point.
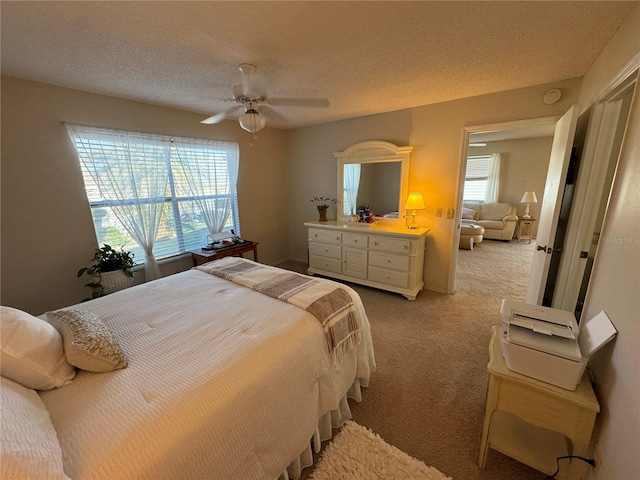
(547, 344)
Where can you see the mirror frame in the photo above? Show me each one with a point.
(375, 151)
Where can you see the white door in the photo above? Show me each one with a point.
(586, 207)
(550, 210)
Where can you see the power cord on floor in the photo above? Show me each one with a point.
(590, 461)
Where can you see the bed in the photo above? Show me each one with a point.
(222, 382)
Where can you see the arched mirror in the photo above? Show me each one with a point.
(374, 174)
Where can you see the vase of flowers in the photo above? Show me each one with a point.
(323, 204)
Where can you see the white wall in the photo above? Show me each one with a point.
(436, 133)
(47, 231)
(615, 281)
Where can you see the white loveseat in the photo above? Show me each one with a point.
(498, 219)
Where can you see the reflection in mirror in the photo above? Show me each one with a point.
(376, 174)
(375, 185)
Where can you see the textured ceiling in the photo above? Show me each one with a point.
(365, 57)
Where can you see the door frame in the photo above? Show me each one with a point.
(589, 194)
(464, 153)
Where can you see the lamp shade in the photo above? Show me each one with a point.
(529, 197)
(414, 201)
(252, 121)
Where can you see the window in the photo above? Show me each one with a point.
(476, 177)
(157, 196)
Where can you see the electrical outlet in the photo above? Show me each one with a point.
(439, 212)
(450, 212)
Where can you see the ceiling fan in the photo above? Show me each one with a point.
(257, 105)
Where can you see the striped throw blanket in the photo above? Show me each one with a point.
(330, 304)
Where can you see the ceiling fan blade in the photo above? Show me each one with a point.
(218, 117)
(271, 114)
(298, 102)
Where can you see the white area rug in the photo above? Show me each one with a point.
(357, 453)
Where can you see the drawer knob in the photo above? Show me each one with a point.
(337, 238)
(374, 243)
(315, 234)
(404, 246)
(326, 264)
(326, 250)
(388, 277)
(388, 261)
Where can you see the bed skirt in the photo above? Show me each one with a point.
(324, 431)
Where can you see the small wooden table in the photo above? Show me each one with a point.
(203, 256)
(528, 419)
(524, 230)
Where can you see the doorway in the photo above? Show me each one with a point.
(524, 148)
(605, 125)
(595, 161)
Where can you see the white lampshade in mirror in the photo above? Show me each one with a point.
(414, 202)
(528, 197)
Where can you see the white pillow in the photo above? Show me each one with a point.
(468, 213)
(32, 353)
(88, 342)
(29, 445)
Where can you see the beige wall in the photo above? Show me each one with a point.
(615, 281)
(436, 133)
(47, 231)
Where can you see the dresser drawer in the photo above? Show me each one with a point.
(389, 277)
(325, 263)
(354, 240)
(396, 245)
(354, 262)
(325, 250)
(389, 260)
(324, 236)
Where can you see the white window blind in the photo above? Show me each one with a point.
(186, 186)
(477, 174)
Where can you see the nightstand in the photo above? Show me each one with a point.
(524, 232)
(203, 256)
(535, 422)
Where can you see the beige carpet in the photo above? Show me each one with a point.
(427, 396)
(356, 453)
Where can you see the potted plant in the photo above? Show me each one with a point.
(110, 271)
(322, 204)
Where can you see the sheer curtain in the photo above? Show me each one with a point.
(493, 179)
(351, 185)
(211, 172)
(131, 174)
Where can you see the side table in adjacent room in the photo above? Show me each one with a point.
(524, 232)
(531, 421)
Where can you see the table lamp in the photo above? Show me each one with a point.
(528, 197)
(414, 202)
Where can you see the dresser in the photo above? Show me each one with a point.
(386, 257)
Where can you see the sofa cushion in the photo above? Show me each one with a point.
(491, 224)
(494, 211)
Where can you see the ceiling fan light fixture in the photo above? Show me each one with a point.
(252, 121)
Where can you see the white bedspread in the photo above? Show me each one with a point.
(223, 383)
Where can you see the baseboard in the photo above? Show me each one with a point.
(436, 289)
